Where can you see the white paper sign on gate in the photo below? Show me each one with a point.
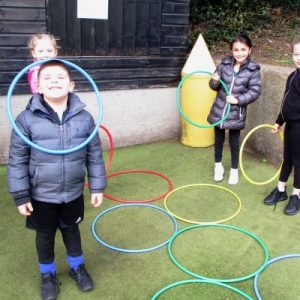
(92, 9)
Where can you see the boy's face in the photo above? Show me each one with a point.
(44, 49)
(296, 55)
(55, 84)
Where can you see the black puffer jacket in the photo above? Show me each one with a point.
(245, 86)
(290, 107)
(48, 177)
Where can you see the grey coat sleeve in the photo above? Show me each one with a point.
(18, 165)
(253, 92)
(95, 164)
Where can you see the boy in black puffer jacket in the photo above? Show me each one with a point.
(290, 115)
(242, 78)
(48, 188)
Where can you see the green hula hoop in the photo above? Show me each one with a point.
(189, 281)
(178, 101)
(241, 156)
(198, 222)
(260, 242)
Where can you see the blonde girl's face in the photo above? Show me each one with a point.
(296, 55)
(240, 52)
(43, 49)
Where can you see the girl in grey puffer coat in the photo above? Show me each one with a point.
(242, 78)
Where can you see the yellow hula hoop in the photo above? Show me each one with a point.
(241, 156)
(199, 222)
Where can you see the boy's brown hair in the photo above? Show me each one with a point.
(55, 62)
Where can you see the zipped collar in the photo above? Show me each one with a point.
(36, 106)
(248, 64)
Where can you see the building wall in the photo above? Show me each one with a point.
(132, 116)
(19, 20)
(146, 115)
(142, 44)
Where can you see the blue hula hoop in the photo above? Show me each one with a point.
(194, 281)
(23, 137)
(269, 263)
(102, 242)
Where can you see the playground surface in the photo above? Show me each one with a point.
(210, 252)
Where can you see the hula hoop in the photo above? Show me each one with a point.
(131, 250)
(111, 151)
(23, 137)
(111, 147)
(189, 281)
(241, 156)
(169, 182)
(276, 259)
(198, 222)
(260, 242)
(178, 101)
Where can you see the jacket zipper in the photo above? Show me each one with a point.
(282, 103)
(225, 107)
(61, 129)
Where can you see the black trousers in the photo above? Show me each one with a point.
(45, 241)
(46, 218)
(291, 155)
(234, 142)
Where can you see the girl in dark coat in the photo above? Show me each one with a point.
(290, 115)
(242, 77)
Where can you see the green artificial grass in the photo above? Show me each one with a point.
(210, 252)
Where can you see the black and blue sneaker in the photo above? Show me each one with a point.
(82, 278)
(49, 286)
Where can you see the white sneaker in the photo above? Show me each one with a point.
(218, 172)
(233, 176)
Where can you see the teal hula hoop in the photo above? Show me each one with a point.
(102, 242)
(23, 137)
(189, 281)
(178, 100)
(260, 242)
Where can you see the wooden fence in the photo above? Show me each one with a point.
(142, 44)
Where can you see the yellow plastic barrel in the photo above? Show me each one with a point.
(196, 100)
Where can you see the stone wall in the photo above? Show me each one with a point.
(131, 116)
(265, 111)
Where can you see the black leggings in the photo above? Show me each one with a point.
(45, 243)
(234, 142)
(291, 155)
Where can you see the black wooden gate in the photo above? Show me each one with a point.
(133, 28)
(142, 44)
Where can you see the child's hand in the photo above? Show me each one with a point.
(276, 128)
(215, 77)
(231, 99)
(25, 209)
(96, 199)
